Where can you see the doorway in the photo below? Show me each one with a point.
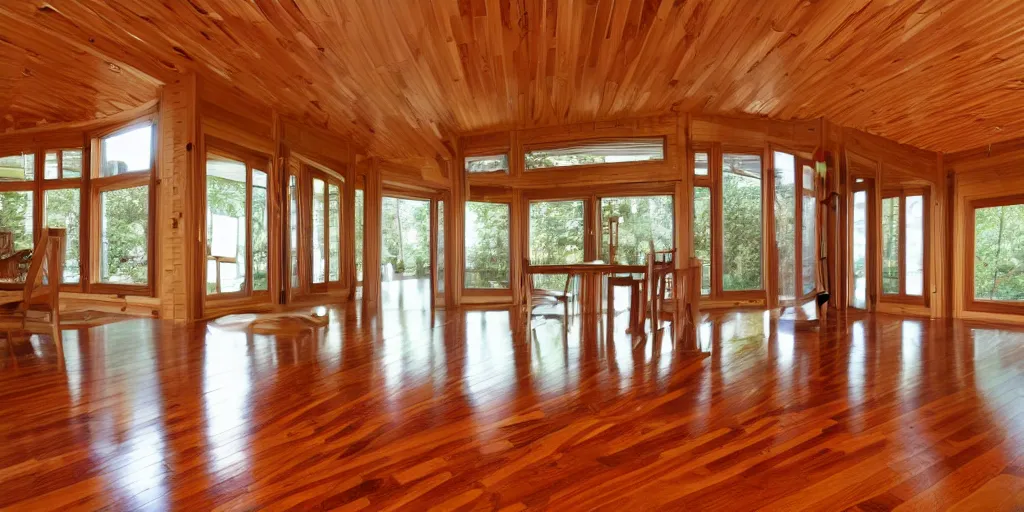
(862, 293)
(406, 255)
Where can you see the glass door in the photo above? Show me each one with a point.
(861, 255)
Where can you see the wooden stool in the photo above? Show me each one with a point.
(634, 299)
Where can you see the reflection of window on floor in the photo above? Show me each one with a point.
(556, 238)
(998, 246)
(487, 245)
(741, 222)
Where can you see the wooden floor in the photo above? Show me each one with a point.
(387, 413)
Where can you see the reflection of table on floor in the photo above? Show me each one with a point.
(590, 282)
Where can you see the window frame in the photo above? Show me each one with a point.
(902, 193)
(541, 146)
(508, 163)
(253, 162)
(310, 173)
(802, 192)
(716, 171)
(970, 302)
(96, 185)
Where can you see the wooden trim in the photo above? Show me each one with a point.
(971, 303)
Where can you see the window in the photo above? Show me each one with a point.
(640, 220)
(891, 245)
(63, 209)
(122, 180)
(702, 235)
(293, 229)
(597, 152)
(405, 238)
(237, 235)
(700, 164)
(998, 244)
(487, 245)
(16, 218)
(859, 250)
(487, 163)
(359, 235)
(63, 164)
(319, 227)
(809, 232)
(786, 224)
(904, 244)
(334, 233)
(127, 151)
(18, 167)
(260, 232)
(556, 238)
(741, 222)
(440, 246)
(124, 235)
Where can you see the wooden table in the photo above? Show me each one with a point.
(590, 286)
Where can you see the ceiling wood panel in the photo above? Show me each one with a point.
(401, 76)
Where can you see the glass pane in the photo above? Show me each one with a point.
(334, 236)
(50, 166)
(405, 238)
(225, 225)
(891, 245)
(556, 237)
(319, 257)
(62, 211)
(860, 250)
(702, 235)
(359, 235)
(128, 151)
(487, 251)
(741, 222)
(785, 223)
(15, 221)
(18, 167)
(998, 250)
(124, 235)
(293, 229)
(700, 164)
(809, 250)
(487, 163)
(600, 152)
(440, 246)
(915, 245)
(641, 219)
(71, 162)
(260, 233)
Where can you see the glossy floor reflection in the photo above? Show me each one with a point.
(406, 410)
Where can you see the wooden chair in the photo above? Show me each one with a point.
(538, 297)
(683, 307)
(41, 291)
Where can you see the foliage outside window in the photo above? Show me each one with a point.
(556, 238)
(487, 163)
(260, 232)
(809, 232)
(999, 253)
(62, 210)
(334, 233)
(785, 223)
(440, 246)
(16, 218)
(405, 237)
(293, 229)
(124, 235)
(225, 225)
(741, 222)
(487, 245)
(891, 245)
(702, 235)
(597, 152)
(642, 219)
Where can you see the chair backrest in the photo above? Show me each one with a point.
(47, 262)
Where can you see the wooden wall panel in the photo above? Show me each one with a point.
(372, 236)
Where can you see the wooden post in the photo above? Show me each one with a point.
(373, 202)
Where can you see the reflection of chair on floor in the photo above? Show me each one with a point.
(41, 291)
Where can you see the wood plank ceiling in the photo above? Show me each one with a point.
(400, 76)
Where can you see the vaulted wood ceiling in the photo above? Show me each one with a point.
(402, 75)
